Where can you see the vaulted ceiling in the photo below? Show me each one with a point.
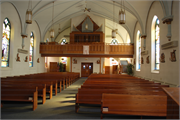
(64, 10)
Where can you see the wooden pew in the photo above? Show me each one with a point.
(25, 94)
(94, 96)
(49, 84)
(15, 85)
(141, 105)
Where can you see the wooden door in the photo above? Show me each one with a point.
(53, 67)
(86, 69)
(107, 69)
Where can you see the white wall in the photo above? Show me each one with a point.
(108, 32)
(169, 71)
(96, 67)
(20, 68)
(61, 35)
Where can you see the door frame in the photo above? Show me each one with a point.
(86, 63)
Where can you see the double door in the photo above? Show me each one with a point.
(86, 69)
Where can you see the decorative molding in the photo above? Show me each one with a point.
(144, 37)
(66, 35)
(24, 35)
(144, 52)
(170, 44)
(23, 51)
(167, 19)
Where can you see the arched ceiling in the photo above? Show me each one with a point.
(64, 10)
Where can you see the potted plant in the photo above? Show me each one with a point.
(61, 67)
(130, 69)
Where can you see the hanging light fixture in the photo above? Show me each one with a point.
(59, 30)
(52, 30)
(29, 13)
(113, 31)
(122, 15)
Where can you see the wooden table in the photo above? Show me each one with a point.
(173, 102)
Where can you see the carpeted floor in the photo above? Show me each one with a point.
(61, 106)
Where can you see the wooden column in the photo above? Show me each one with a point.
(100, 64)
(71, 64)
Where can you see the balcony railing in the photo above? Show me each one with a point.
(94, 48)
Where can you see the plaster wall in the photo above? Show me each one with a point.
(169, 71)
(108, 34)
(20, 68)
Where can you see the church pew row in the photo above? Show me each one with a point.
(41, 80)
(94, 96)
(37, 82)
(41, 88)
(97, 84)
(23, 94)
(141, 105)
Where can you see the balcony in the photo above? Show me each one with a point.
(95, 49)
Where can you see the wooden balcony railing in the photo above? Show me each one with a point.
(94, 48)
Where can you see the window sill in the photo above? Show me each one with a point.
(155, 71)
(138, 70)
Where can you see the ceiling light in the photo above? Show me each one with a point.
(29, 13)
(122, 15)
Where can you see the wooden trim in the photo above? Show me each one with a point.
(71, 64)
(92, 55)
(100, 65)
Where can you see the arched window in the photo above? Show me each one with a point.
(157, 42)
(155, 45)
(31, 51)
(114, 42)
(138, 51)
(6, 43)
(63, 42)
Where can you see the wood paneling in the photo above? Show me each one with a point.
(79, 37)
(53, 67)
(94, 48)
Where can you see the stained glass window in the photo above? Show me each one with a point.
(157, 42)
(114, 42)
(63, 42)
(6, 43)
(139, 52)
(31, 51)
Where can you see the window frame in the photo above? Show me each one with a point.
(32, 35)
(156, 24)
(9, 24)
